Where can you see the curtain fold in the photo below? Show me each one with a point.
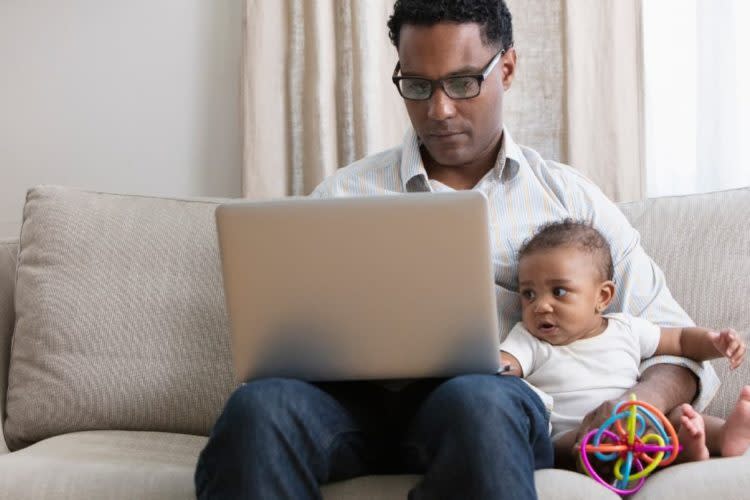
(604, 90)
(317, 92)
(265, 153)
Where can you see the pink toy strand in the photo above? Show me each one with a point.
(594, 475)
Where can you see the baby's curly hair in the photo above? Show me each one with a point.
(572, 233)
(492, 15)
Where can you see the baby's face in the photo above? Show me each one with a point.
(561, 290)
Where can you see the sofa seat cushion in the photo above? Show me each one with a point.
(551, 484)
(103, 464)
(156, 465)
(720, 478)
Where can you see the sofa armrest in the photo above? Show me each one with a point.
(8, 256)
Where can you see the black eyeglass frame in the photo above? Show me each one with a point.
(479, 77)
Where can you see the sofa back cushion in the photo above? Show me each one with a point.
(8, 257)
(120, 318)
(702, 242)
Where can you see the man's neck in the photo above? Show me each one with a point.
(461, 177)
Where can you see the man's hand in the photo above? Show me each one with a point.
(729, 344)
(663, 386)
(568, 458)
(594, 419)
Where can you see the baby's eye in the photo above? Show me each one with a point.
(559, 291)
(528, 294)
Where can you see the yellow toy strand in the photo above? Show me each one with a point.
(631, 422)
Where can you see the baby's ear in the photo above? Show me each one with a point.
(606, 294)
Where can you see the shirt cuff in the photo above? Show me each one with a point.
(708, 381)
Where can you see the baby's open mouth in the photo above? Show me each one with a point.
(546, 327)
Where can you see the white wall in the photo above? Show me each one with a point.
(137, 96)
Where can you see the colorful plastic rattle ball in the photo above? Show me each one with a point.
(636, 454)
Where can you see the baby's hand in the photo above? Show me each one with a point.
(730, 345)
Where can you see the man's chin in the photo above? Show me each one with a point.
(449, 157)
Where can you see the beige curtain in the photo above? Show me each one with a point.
(317, 93)
(604, 67)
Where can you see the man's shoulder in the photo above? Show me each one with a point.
(563, 183)
(382, 160)
(552, 172)
(369, 175)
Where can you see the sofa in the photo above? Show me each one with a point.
(115, 360)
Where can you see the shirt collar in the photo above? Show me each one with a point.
(414, 176)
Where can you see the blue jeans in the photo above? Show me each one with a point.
(472, 437)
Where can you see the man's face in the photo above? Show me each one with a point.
(455, 132)
(561, 291)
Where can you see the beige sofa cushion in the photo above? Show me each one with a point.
(120, 317)
(152, 465)
(702, 242)
(718, 478)
(8, 256)
(551, 484)
(103, 464)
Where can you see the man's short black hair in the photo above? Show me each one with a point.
(492, 15)
(576, 234)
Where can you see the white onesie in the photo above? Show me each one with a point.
(582, 375)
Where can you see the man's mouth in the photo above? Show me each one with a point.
(444, 134)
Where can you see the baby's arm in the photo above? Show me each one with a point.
(510, 360)
(517, 351)
(702, 344)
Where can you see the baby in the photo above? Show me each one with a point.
(581, 357)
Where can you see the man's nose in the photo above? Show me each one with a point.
(441, 107)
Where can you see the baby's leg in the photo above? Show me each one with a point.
(735, 438)
(691, 431)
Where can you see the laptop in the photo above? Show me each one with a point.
(361, 288)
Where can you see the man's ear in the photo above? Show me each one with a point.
(508, 68)
(606, 294)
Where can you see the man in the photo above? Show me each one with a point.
(477, 436)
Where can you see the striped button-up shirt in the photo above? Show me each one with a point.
(524, 192)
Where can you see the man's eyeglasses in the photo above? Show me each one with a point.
(456, 87)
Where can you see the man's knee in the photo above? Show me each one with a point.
(484, 395)
(262, 400)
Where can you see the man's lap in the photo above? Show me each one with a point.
(365, 428)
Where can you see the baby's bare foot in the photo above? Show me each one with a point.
(735, 439)
(692, 435)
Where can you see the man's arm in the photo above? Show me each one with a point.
(663, 386)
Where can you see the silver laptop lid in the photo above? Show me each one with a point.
(360, 288)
